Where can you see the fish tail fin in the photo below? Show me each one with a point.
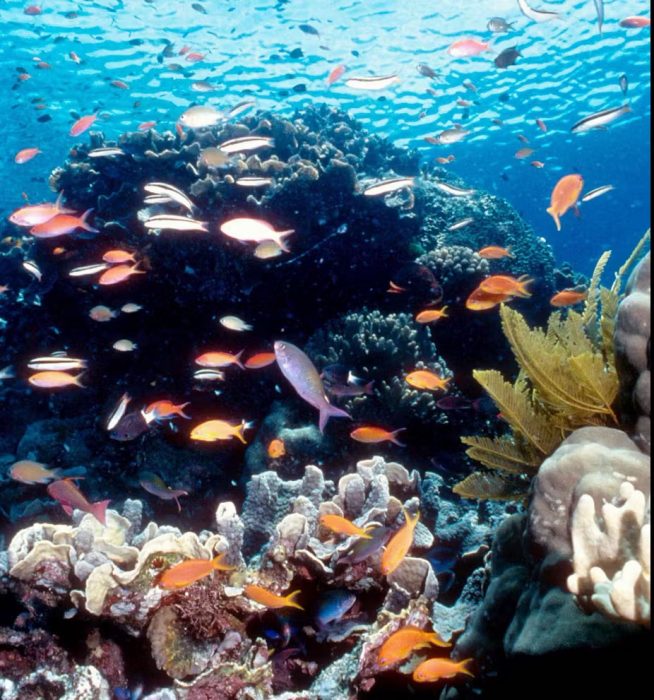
(412, 520)
(463, 667)
(328, 411)
(369, 388)
(99, 510)
(434, 638)
(555, 216)
(181, 410)
(291, 600)
(394, 439)
(279, 239)
(444, 311)
(524, 281)
(85, 225)
(78, 380)
(136, 270)
(218, 563)
(237, 359)
(72, 473)
(239, 432)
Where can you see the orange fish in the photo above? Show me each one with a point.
(187, 572)
(494, 252)
(26, 154)
(431, 315)
(213, 430)
(565, 195)
(425, 379)
(568, 297)
(271, 600)
(160, 410)
(343, 526)
(118, 256)
(219, 359)
(399, 544)
(481, 301)
(82, 124)
(335, 74)
(54, 379)
(401, 644)
(71, 497)
(372, 434)
(276, 449)
(119, 273)
(433, 670)
(259, 360)
(62, 224)
(505, 284)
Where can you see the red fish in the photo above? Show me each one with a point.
(335, 74)
(144, 126)
(70, 497)
(467, 47)
(26, 154)
(62, 224)
(635, 22)
(82, 124)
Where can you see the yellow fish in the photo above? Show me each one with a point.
(399, 544)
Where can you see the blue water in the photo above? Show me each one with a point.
(567, 71)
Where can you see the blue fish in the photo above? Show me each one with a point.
(333, 606)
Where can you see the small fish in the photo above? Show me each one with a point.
(254, 181)
(198, 8)
(449, 136)
(200, 116)
(507, 58)
(213, 430)
(597, 192)
(537, 164)
(399, 544)
(82, 124)
(62, 363)
(107, 152)
(170, 222)
(86, 270)
(505, 284)
(267, 249)
(402, 643)
(119, 273)
(494, 252)
(464, 48)
(194, 57)
(373, 83)
(28, 471)
(129, 427)
(234, 323)
(155, 485)
(425, 70)
(254, 230)
(26, 154)
(498, 25)
(130, 308)
(219, 359)
(541, 125)
(203, 86)
(624, 83)
(334, 604)
(187, 572)
(635, 22)
(335, 74)
(482, 301)
(342, 389)
(102, 313)
(54, 379)
(523, 138)
(34, 270)
(32, 10)
(120, 84)
(145, 126)
(565, 195)
(241, 107)
(125, 345)
(599, 120)
(461, 224)
(74, 57)
(208, 375)
(362, 547)
(426, 379)
(213, 157)
(7, 372)
(298, 369)
(63, 224)
(433, 670)
(173, 193)
(259, 360)
(119, 411)
(118, 256)
(454, 190)
(246, 143)
(308, 29)
(372, 434)
(469, 85)
(276, 449)
(271, 600)
(70, 497)
(536, 15)
(161, 410)
(431, 315)
(387, 186)
(568, 297)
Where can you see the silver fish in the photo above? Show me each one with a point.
(536, 15)
(460, 224)
(453, 190)
(254, 181)
(240, 108)
(118, 412)
(163, 189)
(304, 378)
(374, 83)
(169, 222)
(199, 116)
(599, 120)
(624, 83)
(157, 199)
(387, 186)
(88, 270)
(62, 364)
(208, 375)
(34, 270)
(452, 135)
(597, 192)
(246, 143)
(106, 152)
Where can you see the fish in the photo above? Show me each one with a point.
(155, 485)
(254, 181)
(26, 154)
(335, 74)
(431, 315)
(130, 308)
(461, 224)
(495, 252)
(372, 83)
(271, 600)
(537, 15)
(449, 136)
(170, 222)
(267, 249)
(74, 57)
(402, 643)
(599, 9)
(199, 8)
(119, 411)
(106, 152)
(144, 126)
(464, 103)
(120, 84)
(635, 22)
(254, 230)
(426, 379)
(569, 297)
(463, 48)
(565, 195)
(241, 107)
(216, 429)
(341, 389)
(119, 273)
(599, 120)
(160, 410)
(27, 471)
(541, 125)
(34, 270)
(86, 270)
(129, 427)
(173, 193)
(505, 284)
(507, 58)
(334, 604)
(362, 548)
(386, 186)
(276, 449)
(118, 256)
(194, 57)
(427, 71)
(35, 214)
(187, 572)
(234, 323)
(624, 83)
(372, 434)
(597, 192)
(308, 29)
(339, 374)
(298, 369)
(453, 190)
(200, 116)
(432, 670)
(102, 313)
(208, 375)
(7, 372)
(214, 157)
(419, 281)
(482, 301)
(70, 497)
(523, 138)
(82, 124)
(246, 143)
(218, 358)
(259, 360)
(125, 345)
(62, 363)
(399, 544)
(54, 379)
(537, 164)
(342, 526)
(498, 25)
(63, 224)
(203, 86)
